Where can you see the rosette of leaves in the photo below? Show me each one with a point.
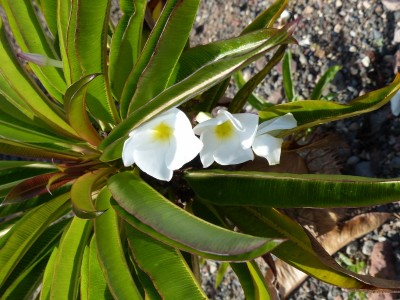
(76, 224)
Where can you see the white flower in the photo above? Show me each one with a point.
(268, 146)
(162, 145)
(395, 104)
(227, 138)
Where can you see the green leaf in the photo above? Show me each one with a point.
(90, 44)
(81, 193)
(18, 88)
(93, 283)
(200, 81)
(126, 43)
(26, 232)
(147, 210)
(171, 275)
(251, 280)
(110, 251)
(33, 263)
(245, 93)
(75, 109)
(145, 56)
(49, 10)
(323, 82)
(67, 264)
(268, 17)
(16, 148)
(221, 272)
(254, 100)
(170, 45)
(194, 58)
(291, 190)
(309, 113)
(48, 276)
(31, 38)
(287, 76)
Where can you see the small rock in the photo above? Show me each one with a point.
(308, 10)
(366, 4)
(367, 247)
(396, 37)
(338, 4)
(353, 49)
(337, 28)
(391, 4)
(366, 61)
(352, 248)
(353, 160)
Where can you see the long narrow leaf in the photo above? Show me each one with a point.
(145, 56)
(171, 275)
(75, 108)
(26, 232)
(187, 232)
(324, 80)
(309, 113)
(111, 253)
(268, 17)
(291, 190)
(93, 283)
(287, 75)
(66, 273)
(31, 38)
(126, 43)
(169, 47)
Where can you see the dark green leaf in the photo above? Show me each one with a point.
(323, 82)
(291, 190)
(287, 75)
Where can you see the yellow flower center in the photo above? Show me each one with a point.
(162, 132)
(224, 131)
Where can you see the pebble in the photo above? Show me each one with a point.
(363, 168)
(366, 61)
(367, 247)
(352, 160)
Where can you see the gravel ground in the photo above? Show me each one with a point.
(363, 37)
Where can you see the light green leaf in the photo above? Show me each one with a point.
(268, 17)
(110, 251)
(147, 210)
(18, 88)
(291, 190)
(145, 56)
(81, 193)
(309, 113)
(93, 283)
(126, 43)
(170, 45)
(75, 109)
(27, 275)
(67, 264)
(26, 232)
(31, 38)
(171, 275)
(49, 10)
(90, 44)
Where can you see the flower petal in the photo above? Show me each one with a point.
(249, 123)
(268, 147)
(207, 152)
(284, 122)
(153, 163)
(127, 153)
